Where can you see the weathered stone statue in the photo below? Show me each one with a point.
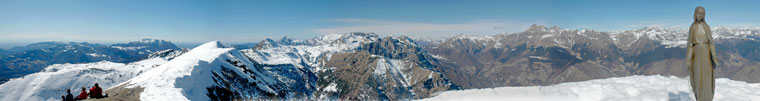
(701, 57)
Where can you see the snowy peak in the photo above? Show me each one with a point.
(332, 39)
(270, 43)
(206, 52)
(168, 54)
(721, 32)
(676, 37)
(161, 82)
(210, 71)
(149, 44)
(150, 41)
(542, 28)
(356, 37)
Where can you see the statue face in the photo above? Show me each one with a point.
(699, 14)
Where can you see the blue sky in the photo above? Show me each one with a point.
(240, 21)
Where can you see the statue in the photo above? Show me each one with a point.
(701, 57)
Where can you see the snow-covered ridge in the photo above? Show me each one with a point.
(631, 88)
(161, 82)
(474, 38)
(675, 37)
(307, 51)
(53, 81)
(149, 41)
(668, 36)
(210, 67)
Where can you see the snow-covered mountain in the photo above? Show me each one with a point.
(335, 66)
(210, 69)
(52, 82)
(32, 58)
(388, 68)
(630, 88)
(146, 45)
(549, 55)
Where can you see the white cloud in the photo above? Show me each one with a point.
(418, 29)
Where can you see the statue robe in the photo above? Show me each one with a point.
(701, 59)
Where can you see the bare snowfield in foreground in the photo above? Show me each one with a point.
(631, 88)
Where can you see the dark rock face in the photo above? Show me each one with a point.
(544, 56)
(34, 57)
(168, 54)
(388, 68)
(538, 56)
(356, 76)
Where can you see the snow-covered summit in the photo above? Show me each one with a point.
(149, 44)
(161, 83)
(670, 37)
(307, 51)
(332, 39)
(199, 73)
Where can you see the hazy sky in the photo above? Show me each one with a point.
(238, 21)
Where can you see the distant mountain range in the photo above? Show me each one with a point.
(364, 65)
(543, 56)
(32, 58)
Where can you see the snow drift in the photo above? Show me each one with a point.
(631, 88)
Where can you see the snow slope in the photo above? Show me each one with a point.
(192, 74)
(159, 83)
(53, 81)
(631, 88)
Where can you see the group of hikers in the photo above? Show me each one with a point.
(95, 92)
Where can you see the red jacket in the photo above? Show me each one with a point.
(96, 92)
(82, 95)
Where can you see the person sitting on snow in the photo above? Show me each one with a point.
(97, 92)
(69, 96)
(82, 95)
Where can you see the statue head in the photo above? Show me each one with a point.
(699, 14)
